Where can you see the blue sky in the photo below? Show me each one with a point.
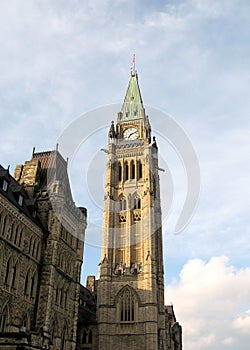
(62, 59)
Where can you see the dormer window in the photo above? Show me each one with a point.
(20, 200)
(5, 185)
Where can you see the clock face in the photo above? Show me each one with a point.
(131, 134)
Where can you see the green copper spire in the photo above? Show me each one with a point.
(132, 107)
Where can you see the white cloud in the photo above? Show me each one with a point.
(242, 323)
(207, 297)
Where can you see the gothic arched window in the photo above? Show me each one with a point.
(126, 170)
(33, 285)
(13, 275)
(4, 320)
(6, 272)
(123, 203)
(132, 170)
(11, 228)
(90, 337)
(84, 337)
(34, 248)
(16, 235)
(3, 226)
(137, 202)
(127, 305)
(20, 238)
(139, 170)
(26, 284)
(120, 172)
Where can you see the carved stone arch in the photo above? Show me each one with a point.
(132, 169)
(33, 282)
(16, 233)
(33, 252)
(84, 336)
(38, 250)
(26, 286)
(126, 171)
(127, 301)
(59, 295)
(7, 268)
(14, 271)
(5, 318)
(64, 335)
(119, 171)
(12, 230)
(54, 330)
(31, 241)
(139, 169)
(122, 202)
(6, 220)
(25, 322)
(136, 201)
(9, 227)
(20, 236)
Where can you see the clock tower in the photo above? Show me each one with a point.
(130, 290)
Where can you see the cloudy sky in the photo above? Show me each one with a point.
(62, 59)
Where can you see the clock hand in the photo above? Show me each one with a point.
(132, 133)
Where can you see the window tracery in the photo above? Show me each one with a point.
(126, 305)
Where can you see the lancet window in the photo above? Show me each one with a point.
(127, 305)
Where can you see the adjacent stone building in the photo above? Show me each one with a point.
(42, 304)
(41, 250)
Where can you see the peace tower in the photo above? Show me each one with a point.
(130, 295)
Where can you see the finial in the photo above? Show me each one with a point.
(132, 68)
(33, 151)
(57, 145)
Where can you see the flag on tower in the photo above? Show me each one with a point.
(132, 68)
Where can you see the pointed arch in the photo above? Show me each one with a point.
(132, 170)
(122, 202)
(84, 336)
(4, 319)
(13, 273)
(7, 272)
(54, 330)
(16, 234)
(127, 305)
(126, 170)
(136, 201)
(33, 284)
(10, 230)
(33, 248)
(38, 251)
(64, 337)
(26, 283)
(119, 171)
(31, 244)
(3, 225)
(90, 337)
(20, 238)
(25, 324)
(139, 169)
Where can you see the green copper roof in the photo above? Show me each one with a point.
(132, 105)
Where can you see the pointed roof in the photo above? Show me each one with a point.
(132, 105)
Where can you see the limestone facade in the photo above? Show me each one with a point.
(130, 293)
(41, 249)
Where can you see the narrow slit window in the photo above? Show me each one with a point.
(126, 171)
(132, 170)
(120, 172)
